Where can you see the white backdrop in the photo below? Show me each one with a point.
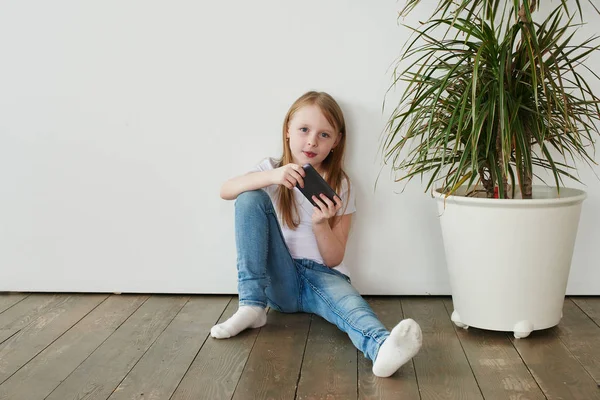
(119, 120)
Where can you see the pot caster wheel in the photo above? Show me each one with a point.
(456, 319)
(522, 329)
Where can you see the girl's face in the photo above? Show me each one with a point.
(311, 137)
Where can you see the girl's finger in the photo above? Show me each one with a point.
(299, 169)
(338, 203)
(330, 205)
(296, 175)
(322, 206)
(291, 180)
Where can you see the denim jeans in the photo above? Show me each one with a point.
(268, 275)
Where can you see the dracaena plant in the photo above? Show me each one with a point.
(492, 96)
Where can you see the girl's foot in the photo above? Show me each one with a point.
(402, 345)
(245, 317)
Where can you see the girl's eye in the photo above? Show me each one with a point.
(325, 134)
(304, 129)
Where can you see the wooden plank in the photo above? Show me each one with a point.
(401, 385)
(590, 306)
(498, 368)
(45, 329)
(98, 376)
(9, 299)
(215, 372)
(160, 370)
(557, 372)
(273, 367)
(581, 336)
(442, 366)
(24, 312)
(48, 369)
(329, 368)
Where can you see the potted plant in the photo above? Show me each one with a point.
(493, 98)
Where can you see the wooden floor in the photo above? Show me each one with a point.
(98, 346)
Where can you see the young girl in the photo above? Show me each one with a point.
(296, 266)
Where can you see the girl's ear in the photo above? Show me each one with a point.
(337, 140)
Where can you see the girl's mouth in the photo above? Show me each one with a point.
(309, 154)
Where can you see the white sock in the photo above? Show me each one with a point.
(245, 317)
(402, 345)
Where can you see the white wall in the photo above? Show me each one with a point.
(119, 120)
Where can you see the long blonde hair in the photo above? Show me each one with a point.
(332, 165)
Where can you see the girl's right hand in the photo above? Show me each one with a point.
(289, 175)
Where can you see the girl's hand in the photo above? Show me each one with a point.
(289, 175)
(326, 209)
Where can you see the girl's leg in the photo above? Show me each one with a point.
(266, 271)
(330, 295)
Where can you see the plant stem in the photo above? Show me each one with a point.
(526, 190)
(526, 185)
(502, 179)
(523, 14)
(486, 180)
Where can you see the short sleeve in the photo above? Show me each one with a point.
(347, 196)
(265, 165)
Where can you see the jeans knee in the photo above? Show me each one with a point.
(251, 199)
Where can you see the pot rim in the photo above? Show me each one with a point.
(568, 196)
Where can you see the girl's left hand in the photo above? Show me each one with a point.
(325, 210)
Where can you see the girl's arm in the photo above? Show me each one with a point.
(288, 175)
(330, 241)
(232, 188)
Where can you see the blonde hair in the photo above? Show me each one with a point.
(332, 165)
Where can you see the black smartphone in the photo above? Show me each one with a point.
(314, 185)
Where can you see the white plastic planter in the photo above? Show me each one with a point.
(509, 259)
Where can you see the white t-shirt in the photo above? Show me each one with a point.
(302, 242)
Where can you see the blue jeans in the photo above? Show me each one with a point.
(268, 275)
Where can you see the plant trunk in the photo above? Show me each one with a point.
(526, 173)
(527, 189)
(527, 186)
(523, 14)
(502, 179)
(487, 181)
